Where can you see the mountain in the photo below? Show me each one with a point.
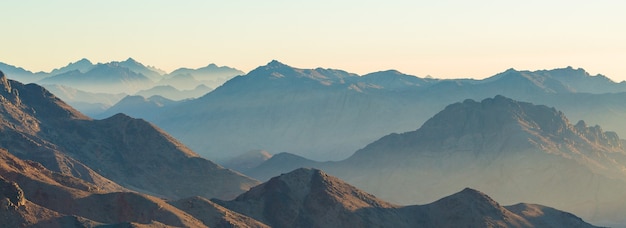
(248, 160)
(270, 107)
(279, 163)
(150, 72)
(215, 215)
(86, 102)
(172, 93)
(312, 198)
(397, 81)
(211, 75)
(35, 196)
(36, 125)
(137, 106)
(18, 73)
(181, 82)
(111, 77)
(82, 66)
(514, 150)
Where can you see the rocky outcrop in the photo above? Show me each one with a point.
(11, 194)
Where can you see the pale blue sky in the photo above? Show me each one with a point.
(444, 38)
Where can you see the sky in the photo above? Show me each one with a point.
(442, 39)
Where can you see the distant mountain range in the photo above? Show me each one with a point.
(514, 150)
(122, 77)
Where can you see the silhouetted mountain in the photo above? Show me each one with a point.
(82, 66)
(152, 73)
(211, 75)
(20, 74)
(311, 198)
(279, 163)
(248, 160)
(86, 102)
(180, 82)
(396, 81)
(136, 106)
(172, 93)
(318, 113)
(102, 78)
(36, 125)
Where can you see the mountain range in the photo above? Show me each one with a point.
(128, 77)
(326, 114)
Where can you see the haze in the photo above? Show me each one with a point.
(444, 39)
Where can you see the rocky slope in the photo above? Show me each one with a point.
(36, 125)
(312, 198)
(35, 196)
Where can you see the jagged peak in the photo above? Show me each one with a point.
(131, 60)
(275, 64)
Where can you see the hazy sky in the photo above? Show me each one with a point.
(443, 38)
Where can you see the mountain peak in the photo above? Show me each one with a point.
(492, 115)
(275, 64)
(84, 60)
(131, 60)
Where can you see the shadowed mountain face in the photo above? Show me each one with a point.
(36, 125)
(311, 198)
(516, 151)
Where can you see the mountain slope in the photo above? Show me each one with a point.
(36, 125)
(312, 198)
(35, 195)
